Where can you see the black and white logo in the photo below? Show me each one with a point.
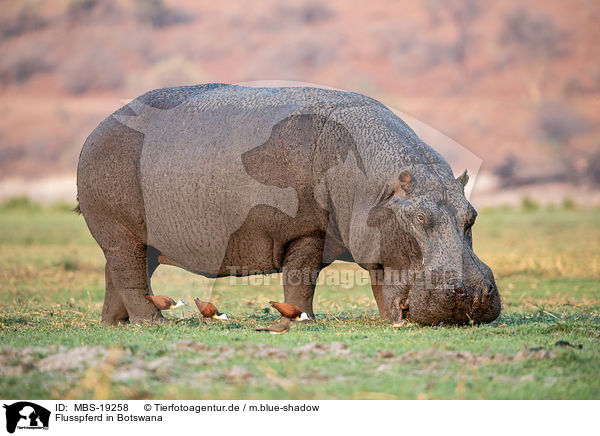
(26, 415)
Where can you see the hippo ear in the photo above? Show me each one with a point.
(403, 184)
(463, 178)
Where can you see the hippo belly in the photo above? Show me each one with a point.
(195, 189)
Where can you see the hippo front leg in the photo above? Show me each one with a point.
(301, 265)
(376, 276)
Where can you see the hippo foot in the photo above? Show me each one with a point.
(115, 322)
(157, 318)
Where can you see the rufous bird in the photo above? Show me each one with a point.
(164, 303)
(291, 311)
(279, 328)
(209, 310)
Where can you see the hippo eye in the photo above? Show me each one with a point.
(421, 217)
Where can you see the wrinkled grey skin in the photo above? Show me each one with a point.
(227, 180)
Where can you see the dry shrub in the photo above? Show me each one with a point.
(280, 15)
(21, 17)
(92, 71)
(18, 66)
(157, 14)
(593, 169)
(171, 71)
(557, 122)
(574, 87)
(462, 14)
(312, 12)
(78, 7)
(293, 57)
(532, 36)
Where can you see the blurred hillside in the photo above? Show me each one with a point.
(519, 85)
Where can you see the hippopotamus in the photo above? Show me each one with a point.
(226, 180)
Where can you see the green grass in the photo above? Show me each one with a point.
(547, 263)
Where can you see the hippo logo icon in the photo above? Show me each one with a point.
(26, 415)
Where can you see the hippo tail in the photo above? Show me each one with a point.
(77, 209)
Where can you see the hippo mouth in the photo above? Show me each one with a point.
(411, 298)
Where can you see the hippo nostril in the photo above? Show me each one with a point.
(490, 288)
(458, 287)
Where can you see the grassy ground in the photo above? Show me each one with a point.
(547, 263)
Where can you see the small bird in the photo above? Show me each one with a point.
(279, 328)
(291, 311)
(209, 310)
(400, 323)
(567, 344)
(164, 303)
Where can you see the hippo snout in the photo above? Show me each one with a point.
(456, 303)
(491, 288)
(477, 293)
(487, 307)
(457, 287)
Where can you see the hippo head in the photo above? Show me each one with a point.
(428, 268)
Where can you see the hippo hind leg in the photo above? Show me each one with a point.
(127, 277)
(114, 310)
